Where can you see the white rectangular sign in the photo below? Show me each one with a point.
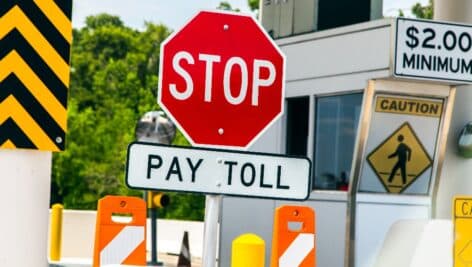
(401, 144)
(433, 50)
(209, 171)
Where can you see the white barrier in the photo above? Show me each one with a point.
(417, 243)
(78, 236)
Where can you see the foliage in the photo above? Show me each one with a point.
(423, 12)
(113, 83)
(401, 13)
(227, 7)
(253, 5)
(95, 22)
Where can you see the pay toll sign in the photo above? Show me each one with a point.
(158, 167)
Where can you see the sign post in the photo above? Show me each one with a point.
(34, 80)
(216, 172)
(210, 230)
(222, 82)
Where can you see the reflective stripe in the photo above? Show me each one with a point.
(297, 251)
(129, 238)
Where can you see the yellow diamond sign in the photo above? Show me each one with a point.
(399, 160)
(462, 214)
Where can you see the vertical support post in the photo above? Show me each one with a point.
(248, 250)
(210, 234)
(55, 235)
(152, 211)
(452, 179)
(24, 224)
(153, 217)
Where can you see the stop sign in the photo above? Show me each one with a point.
(221, 79)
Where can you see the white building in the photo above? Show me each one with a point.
(345, 110)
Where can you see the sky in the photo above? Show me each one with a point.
(172, 13)
(175, 13)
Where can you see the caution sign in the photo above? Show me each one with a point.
(408, 106)
(400, 159)
(401, 143)
(462, 214)
(35, 39)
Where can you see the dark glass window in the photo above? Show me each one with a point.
(297, 126)
(336, 124)
(332, 14)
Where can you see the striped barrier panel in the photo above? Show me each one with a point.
(120, 242)
(293, 240)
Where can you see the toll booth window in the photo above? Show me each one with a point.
(339, 13)
(336, 124)
(297, 126)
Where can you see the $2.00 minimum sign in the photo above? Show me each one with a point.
(209, 171)
(433, 50)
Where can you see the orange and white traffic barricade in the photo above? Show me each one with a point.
(120, 241)
(293, 239)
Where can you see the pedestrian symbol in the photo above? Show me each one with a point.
(399, 160)
(403, 153)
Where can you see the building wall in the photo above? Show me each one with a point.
(322, 63)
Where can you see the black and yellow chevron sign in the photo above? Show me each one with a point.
(35, 39)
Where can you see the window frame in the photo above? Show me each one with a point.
(312, 136)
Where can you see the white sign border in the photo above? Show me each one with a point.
(161, 64)
(427, 78)
(310, 171)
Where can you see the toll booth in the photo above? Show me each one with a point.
(376, 142)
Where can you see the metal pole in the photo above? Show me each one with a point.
(210, 235)
(153, 215)
(156, 128)
(152, 211)
(454, 177)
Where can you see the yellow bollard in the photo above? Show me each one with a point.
(56, 232)
(248, 250)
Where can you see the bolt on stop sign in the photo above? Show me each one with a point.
(221, 79)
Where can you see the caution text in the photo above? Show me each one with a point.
(408, 106)
(463, 208)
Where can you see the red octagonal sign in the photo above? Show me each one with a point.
(221, 79)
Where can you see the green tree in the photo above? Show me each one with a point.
(227, 7)
(253, 5)
(95, 22)
(113, 83)
(401, 13)
(423, 12)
